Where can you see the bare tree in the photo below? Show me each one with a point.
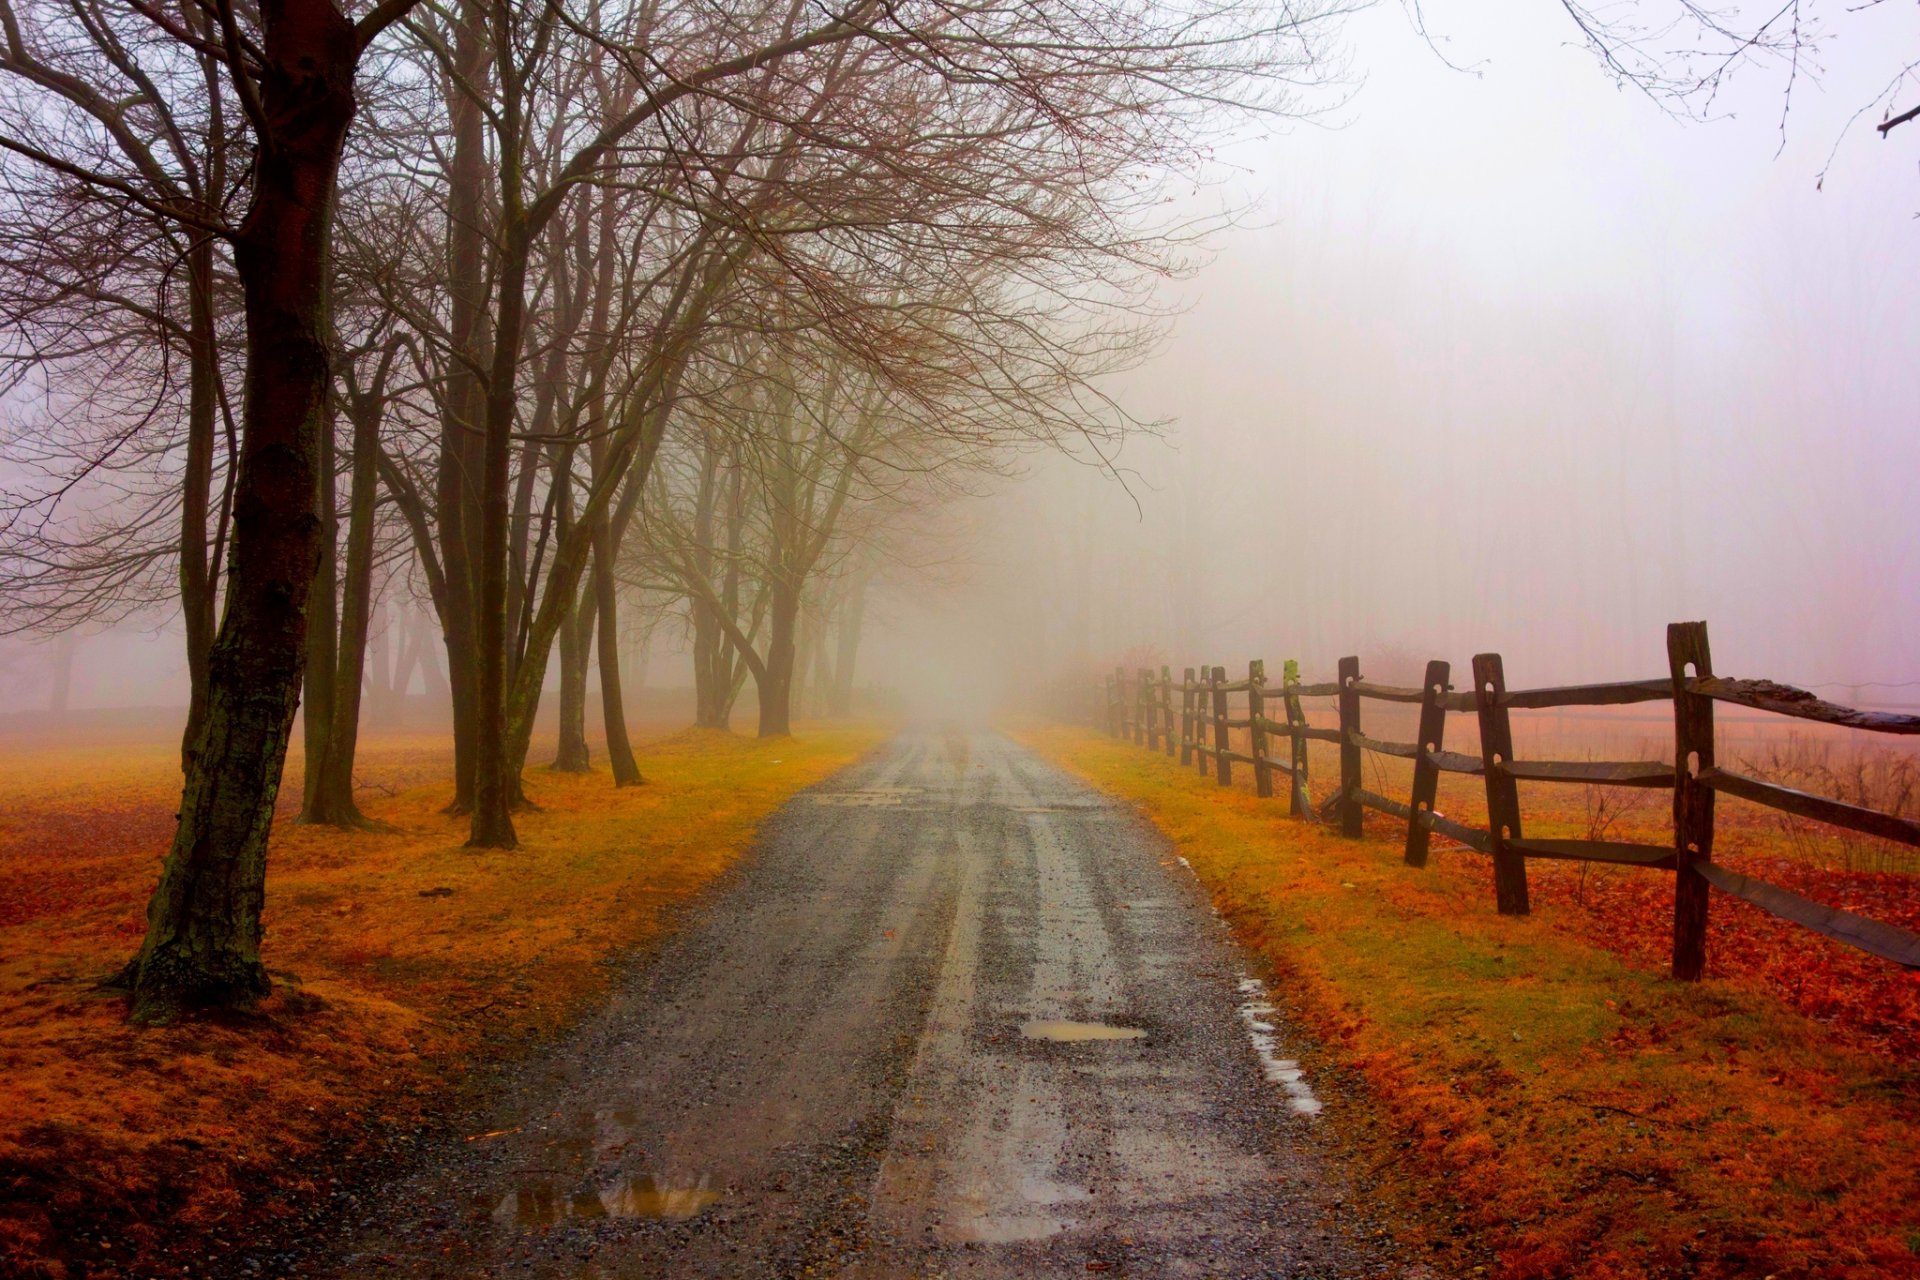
(291, 70)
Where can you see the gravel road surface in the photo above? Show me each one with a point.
(957, 1015)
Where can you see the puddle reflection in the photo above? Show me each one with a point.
(542, 1203)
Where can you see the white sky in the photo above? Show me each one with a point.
(1515, 362)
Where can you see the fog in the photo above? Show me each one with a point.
(1497, 358)
(1505, 360)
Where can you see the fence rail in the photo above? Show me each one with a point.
(1199, 733)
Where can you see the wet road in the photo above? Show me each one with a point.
(958, 1015)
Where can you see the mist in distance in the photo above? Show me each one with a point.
(1504, 361)
(1499, 357)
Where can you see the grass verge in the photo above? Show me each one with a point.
(1563, 1108)
(399, 958)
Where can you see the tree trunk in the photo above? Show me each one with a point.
(433, 681)
(202, 946)
(573, 756)
(776, 682)
(456, 489)
(853, 611)
(378, 668)
(196, 568)
(613, 710)
(331, 801)
(322, 632)
(496, 766)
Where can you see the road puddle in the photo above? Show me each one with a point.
(866, 797)
(1075, 1032)
(1284, 1072)
(543, 1203)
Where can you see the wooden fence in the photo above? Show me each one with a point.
(1199, 729)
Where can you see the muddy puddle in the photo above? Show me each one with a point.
(1076, 1032)
(866, 797)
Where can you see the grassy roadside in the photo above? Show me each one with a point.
(1577, 1112)
(399, 957)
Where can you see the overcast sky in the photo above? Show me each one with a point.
(1512, 361)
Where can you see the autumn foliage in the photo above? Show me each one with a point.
(1548, 1102)
(399, 958)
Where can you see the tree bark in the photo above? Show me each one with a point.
(775, 682)
(456, 497)
(322, 631)
(331, 800)
(196, 567)
(574, 642)
(613, 710)
(202, 946)
(573, 756)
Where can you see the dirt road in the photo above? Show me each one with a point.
(957, 1016)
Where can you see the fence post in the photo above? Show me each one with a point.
(1113, 708)
(1120, 702)
(1301, 803)
(1256, 735)
(1692, 803)
(1142, 722)
(1426, 774)
(1203, 721)
(1349, 753)
(1503, 793)
(1186, 718)
(1222, 767)
(1166, 707)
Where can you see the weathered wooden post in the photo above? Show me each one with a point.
(1166, 707)
(1687, 658)
(1142, 709)
(1222, 767)
(1113, 708)
(1256, 733)
(1186, 718)
(1503, 793)
(1349, 751)
(1301, 803)
(1120, 701)
(1203, 721)
(1426, 774)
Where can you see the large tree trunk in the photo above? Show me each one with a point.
(496, 763)
(457, 484)
(202, 945)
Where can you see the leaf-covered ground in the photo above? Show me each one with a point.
(399, 957)
(1545, 1094)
